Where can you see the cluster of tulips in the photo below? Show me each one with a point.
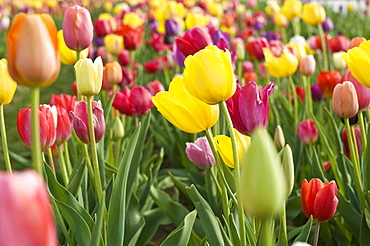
(210, 116)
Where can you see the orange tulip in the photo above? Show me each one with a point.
(33, 55)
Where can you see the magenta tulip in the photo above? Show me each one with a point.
(193, 40)
(307, 131)
(249, 108)
(154, 87)
(80, 121)
(25, 210)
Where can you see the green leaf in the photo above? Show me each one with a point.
(364, 229)
(181, 235)
(96, 233)
(349, 214)
(76, 176)
(317, 166)
(305, 232)
(207, 218)
(117, 205)
(134, 222)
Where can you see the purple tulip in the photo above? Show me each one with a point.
(178, 56)
(221, 39)
(80, 121)
(316, 93)
(327, 25)
(172, 27)
(200, 153)
(249, 108)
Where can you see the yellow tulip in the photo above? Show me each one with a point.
(7, 84)
(195, 19)
(113, 43)
(89, 76)
(280, 20)
(224, 147)
(291, 9)
(280, 67)
(183, 110)
(133, 20)
(313, 13)
(272, 7)
(358, 61)
(68, 56)
(299, 49)
(209, 75)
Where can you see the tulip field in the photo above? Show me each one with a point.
(184, 122)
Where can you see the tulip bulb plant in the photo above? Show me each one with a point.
(184, 122)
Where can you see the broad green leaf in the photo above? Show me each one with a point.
(76, 176)
(349, 214)
(304, 233)
(181, 235)
(99, 219)
(134, 222)
(364, 230)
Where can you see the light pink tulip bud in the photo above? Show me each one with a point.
(307, 131)
(78, 28)
(344, 101)
(307, 65)
(25, 210)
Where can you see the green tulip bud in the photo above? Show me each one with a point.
(118, 130)
(286, 157)
(279, 139)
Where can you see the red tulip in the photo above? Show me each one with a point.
(64, 126)
(319, 199)
(137, 101)
(307, 131)
(154, 87)
(339, 43)
(153, 66)
(124, 57)
(80, 121)
(25, 210)
(102, 27)
(128, 77)
(47, 126)
(193, 40)
(63, 100)
(157, 42)
(255, 48)
(78, 28)
(132, 37)
(327, 80)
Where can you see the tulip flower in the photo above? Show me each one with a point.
(283, 66)
(171, 27)
(183, 110)
(68, 56)
(48, 120)
(25, 210)
(128, 77)
(345, 102)
(307, 131)
(249, 108)
(33, 37)
(113, 43)
(153, 66)
(224, 147)
(199, 75)
(291, 9)
(255, 48)
(307, 65)
(112, 73)
(200, 153)
(339, 43)
(102, 27)
(363, 93)
(355, 42)
(137, 101)
(327, 80)
(7, 84)
(313, 13)
(63, 126)
(78, 28)
(338, 61)
(280, 20)
(193, 41)
(358, 61)
(64, 101)
(89, 76)
(279, 139)
(80, 121)
(154, 87)
(319, 199)
(262, 188)
(157, 42)
(124, 57)
(345, 140)
(327, 25)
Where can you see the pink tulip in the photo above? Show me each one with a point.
(363, 93)
(78, 28)
(25, 210)
(80, 121)
(307, 131)
(200, 153)
(47, 126)
(154, 87)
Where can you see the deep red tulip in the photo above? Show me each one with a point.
(307, 131)
(124, 57)
(319, 199)
(25, 210)
(345, 141)
(193, 40)
(249, 108)
(47, 126)
(102, 27)
(80, 121)
(363, 93)
(153, 66)
(65, 101)
(78, 28)
(255, 47)
(132, 37)
(137, 101)
(154, 87)
(327, 80)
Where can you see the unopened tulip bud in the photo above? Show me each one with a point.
(327, 25)
(200, 153)
(113, 73)
(262, 188)
(279, 138)
(344, 101)
(239, 46)
(307, 65)
(307, 131)
(89, 76)
(124, 57)
(118, 131)
(338, 61)
(248, 66)
(286, 157)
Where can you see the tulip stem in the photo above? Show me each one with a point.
(94, 153)
(51, 161)
(265, 238)
(4, 141)
(317, 232)
(229, 124)
(307, 85)
(296, 26)
(62, 166)
(35, 129)
(66, 157)
(355, 163)
(295, 101)
(363, 132)
(323, 45)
